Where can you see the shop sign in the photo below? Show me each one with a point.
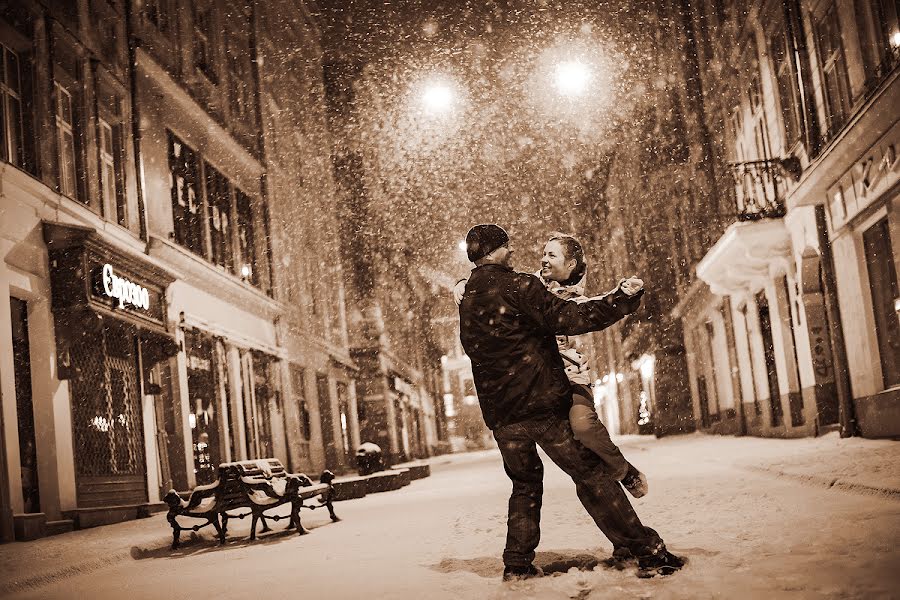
(877, 171)
(124, 290)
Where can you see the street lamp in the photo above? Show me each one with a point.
(463, 246)
(437, 97)
(572, 77)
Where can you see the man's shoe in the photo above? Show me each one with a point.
(619, 559)
(517, 573)
(663, 563)
(636, 483)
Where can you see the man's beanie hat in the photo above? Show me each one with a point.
(484, 239)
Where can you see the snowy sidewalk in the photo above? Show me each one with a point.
(852, 465)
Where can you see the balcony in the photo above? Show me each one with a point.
(757, 247)
(760, 186)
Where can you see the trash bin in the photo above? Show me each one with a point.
(369, 459)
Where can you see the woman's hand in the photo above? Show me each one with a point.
(631, 286)
(459, 289)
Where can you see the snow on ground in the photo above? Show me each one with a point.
(746, 533)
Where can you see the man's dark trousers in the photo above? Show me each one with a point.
(600, 494)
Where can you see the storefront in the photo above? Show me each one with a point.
(863, 209)
(109, 312)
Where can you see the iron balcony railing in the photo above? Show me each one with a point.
(760, 186)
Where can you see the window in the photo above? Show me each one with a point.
(12, 143)
(203, 31)
(782, 52)
(833, 66)
(879, 37)
(186, 202)
(885, 298)
(112, 176)
(65, 120)
(218, 200)
(158, 13)
(240, 77)
(247, 263)
(204, 199)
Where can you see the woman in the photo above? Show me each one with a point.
(562, 272)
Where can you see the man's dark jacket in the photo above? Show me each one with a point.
(508, 327)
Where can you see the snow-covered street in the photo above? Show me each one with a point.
(747, 533)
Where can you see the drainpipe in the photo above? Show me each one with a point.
(133, 44)
(836, 330)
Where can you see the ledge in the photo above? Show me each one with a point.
(747, 255)
(205, 276)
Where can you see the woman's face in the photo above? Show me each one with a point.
(554, 265)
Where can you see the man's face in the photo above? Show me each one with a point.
(504, 255)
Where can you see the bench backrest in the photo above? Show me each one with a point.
(230, 474)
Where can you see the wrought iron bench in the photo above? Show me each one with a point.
(257, 485)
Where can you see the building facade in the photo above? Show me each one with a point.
(784, 233)
(157, 325)
(799, 294)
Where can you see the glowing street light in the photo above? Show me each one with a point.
(895, 39)
(572, 78)
(437, 97)
(462, 245)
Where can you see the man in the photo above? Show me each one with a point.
(508, 327)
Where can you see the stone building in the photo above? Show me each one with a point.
(159, 323)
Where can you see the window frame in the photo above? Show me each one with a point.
(833, 69)
(67, 183)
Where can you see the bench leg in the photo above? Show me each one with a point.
(265, 524)
(176, 531)
(330, 508)
(219, 529)
(224, 525)
(256, 517)
(295, 517)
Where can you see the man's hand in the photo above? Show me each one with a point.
(459, 289)
(631, 286)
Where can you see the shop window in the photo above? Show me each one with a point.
(833, 67)
(265, 399)
(186, 200)
(218, 199)
(203, 394)
(885, 299)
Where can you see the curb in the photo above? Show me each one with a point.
(830, 482)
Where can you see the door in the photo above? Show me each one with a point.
(107, 420)
(765, 328)
(24, 406)
(327, 416)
